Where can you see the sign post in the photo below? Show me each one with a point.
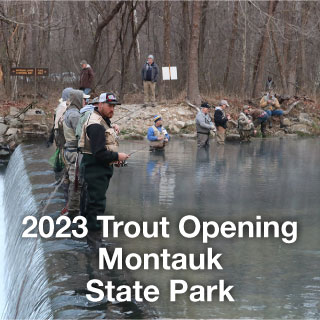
(169, 73)
(29, 72)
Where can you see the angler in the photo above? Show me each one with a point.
(70, 121)
(99, 146)
(158, 135)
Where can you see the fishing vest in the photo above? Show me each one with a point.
(157, 133)
(111, 137)
(243, 122)
(69, 133)
(59, 133)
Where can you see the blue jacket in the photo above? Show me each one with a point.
(151, 136)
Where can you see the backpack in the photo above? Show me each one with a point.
(59, 134)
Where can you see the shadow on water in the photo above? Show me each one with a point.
(277, 179)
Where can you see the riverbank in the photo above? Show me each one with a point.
(19, 123)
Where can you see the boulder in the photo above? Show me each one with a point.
(190, 123)
(233, 137)
(13, 111)
(14, 123)
(180, 124)
(11, 132)
(181, 112)
(287, 122)
(35, 115)
(3, 128)
(300, 128)
(173, 128)
(279, 133)
(305, 119)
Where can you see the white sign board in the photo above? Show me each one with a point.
(169, 73)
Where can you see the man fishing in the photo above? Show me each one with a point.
(99, 146)
(157, 134)
(271, 105)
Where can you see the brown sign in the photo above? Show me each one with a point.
(29, 71)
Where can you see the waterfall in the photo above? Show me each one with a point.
(2, 251)
(26, 279)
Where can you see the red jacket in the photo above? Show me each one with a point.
(86, 78)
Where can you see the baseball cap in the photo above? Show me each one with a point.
(205, 105)
(86, 96)
(108, 98)
(224, 102)
(150, 56)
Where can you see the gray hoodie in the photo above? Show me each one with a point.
(72, 115)
(204, 123)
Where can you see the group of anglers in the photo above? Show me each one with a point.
(249, 119)
(88, 143)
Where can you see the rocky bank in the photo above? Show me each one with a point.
(18, 125)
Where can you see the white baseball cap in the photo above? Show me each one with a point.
(109, 98)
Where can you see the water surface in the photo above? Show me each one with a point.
(275, 179)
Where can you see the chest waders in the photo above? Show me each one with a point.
(96, 175)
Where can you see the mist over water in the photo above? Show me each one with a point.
(276, 179)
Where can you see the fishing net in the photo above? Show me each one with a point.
(56, 161)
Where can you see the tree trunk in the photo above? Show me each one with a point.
(258, 87)
(304, 21)
(280, 65)
(232, 42)
(184, 43)
(193, 93)
(166, 46)
(202, 44)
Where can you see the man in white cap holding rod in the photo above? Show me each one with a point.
(149, 75)
(99, 146)
(220, 120)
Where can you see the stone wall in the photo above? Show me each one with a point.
(16, 128)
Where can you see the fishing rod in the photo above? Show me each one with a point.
(126, 115)
(139, 150)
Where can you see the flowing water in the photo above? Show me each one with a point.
(275, 179)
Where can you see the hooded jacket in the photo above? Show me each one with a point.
(71, 118)
(220, 120)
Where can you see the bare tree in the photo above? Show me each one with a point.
(262, 52)
(193, 93)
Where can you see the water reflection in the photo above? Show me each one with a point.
(161, 177)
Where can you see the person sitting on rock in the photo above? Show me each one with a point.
(271, 105)
(245, 125)
(157, 134)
